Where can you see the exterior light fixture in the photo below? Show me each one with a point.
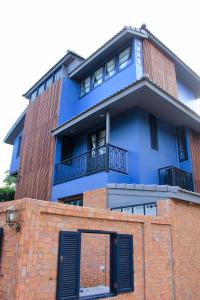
(12, 218)
(102, 115)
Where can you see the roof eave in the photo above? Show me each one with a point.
(193, 119)
(17, 126)
(194, 76)
(125, 31)
(65, 59)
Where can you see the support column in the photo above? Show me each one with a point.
(107, 127)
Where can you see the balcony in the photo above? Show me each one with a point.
(176, 177)
(106, 158)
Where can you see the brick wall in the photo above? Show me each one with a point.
(166, 249)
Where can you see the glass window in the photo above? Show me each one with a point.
(49, 82)
(110, 68)
(41, 89)
(78, 202)
(34, 95)
(97, 77)
(124, 58)
(182, 144)
(138, 210)
(117, 209)
(128, 210)
(58, 74)
(153, 132)
(150, 209)
(85, 86)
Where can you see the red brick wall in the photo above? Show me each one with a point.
(166, 249)
(95, 253)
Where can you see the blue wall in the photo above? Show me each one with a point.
(185, 94)
(70, 102)
(131, 132)
(14, 166)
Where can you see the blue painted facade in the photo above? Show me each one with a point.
(14, 166)
(129, 131)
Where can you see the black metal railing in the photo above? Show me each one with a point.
(104, 158)
(176, 177)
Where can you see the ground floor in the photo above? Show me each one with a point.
(67, 252)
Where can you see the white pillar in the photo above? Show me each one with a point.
(107, 127)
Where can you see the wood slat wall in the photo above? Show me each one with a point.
(160, 68)
(37, 152)
(195, 151)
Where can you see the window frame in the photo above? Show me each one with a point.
(120, 208)
(181, 139)
(103, 66)
(153, 130)
(128, 60)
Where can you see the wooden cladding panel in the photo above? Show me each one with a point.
(195, 152)
(37, 154)
(160, 68)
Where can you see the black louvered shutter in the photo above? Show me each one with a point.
(69, 266)
(124, 263)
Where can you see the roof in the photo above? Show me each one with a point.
(140, 93)
(184, 73)
(15, 129)
(117, 41)
(158, 191)
(66, 58)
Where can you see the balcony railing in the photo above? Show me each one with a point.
(176, 177)
(105, 158)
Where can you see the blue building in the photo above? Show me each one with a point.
(123, 115)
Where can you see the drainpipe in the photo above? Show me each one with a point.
(107, 139)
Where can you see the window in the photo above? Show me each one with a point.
(41, 89)
(19, 146)
(97, 77)
(34, 95)
(149, 209)
(114, 65)
(97, 140)
(66, 148)
(182, 144)
(110, 68)
(75, 202)
(153, 132)
(49, 82)
(112, 264)
(138, 210)
(128, 210)
(124, 58)
(58, 74)
(85, 86)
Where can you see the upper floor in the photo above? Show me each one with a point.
(131, 77)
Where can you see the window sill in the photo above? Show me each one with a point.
(99, 296)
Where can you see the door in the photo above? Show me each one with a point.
(96, 151)
(68, 284)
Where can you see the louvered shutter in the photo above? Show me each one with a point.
(124, 263)
(69, 266)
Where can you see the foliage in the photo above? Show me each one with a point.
(7, 192)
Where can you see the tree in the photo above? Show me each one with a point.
(7, 192)
(9, 180)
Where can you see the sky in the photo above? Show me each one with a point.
(35, 34)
